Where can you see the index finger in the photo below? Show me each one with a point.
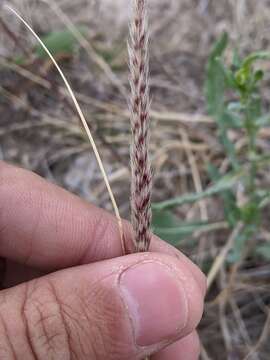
(44, 226)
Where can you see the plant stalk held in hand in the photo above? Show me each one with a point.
(141, 181)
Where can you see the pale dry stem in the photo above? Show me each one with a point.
(83, 120)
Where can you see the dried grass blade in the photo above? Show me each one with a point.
(83, 120)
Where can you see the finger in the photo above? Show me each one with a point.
(44, 226)
(124, 308)
(187, 348)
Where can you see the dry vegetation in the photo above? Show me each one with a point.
(39, 130)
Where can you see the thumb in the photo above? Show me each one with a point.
(124, 308)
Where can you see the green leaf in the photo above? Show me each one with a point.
(225, 141)
(235, 106)
(220, 46)
(213, 172)
(242, 77)
(255, 107)
(264, 251)
(169, 228)
(236, 62)
(232, 120)
(231, 210)
(258, 76)
(263, 120)
(252, 58)
(228, 75)
(164, 219)
(216, 79)
(240, 243)
(59, 42)
(175, 235)
(245, 77)
(250, 213)
(225, 183)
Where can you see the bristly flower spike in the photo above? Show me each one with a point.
(141, 181)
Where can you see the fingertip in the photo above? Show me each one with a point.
(161, 246)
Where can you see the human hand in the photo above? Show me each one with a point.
(88, 302)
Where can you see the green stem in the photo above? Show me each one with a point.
(252, 150)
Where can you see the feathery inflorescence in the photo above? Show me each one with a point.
(141, 181)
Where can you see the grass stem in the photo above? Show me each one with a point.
(83, 120)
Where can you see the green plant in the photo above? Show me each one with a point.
(61, 42)
(234, 102)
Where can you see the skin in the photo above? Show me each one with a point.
(71, 295)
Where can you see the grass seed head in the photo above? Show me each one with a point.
(141, 183)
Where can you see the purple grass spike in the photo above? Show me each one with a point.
(141, 183)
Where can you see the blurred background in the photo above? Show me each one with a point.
(40, 131)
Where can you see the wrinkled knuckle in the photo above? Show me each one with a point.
(107, 322)
(46, 332)
(88, 324)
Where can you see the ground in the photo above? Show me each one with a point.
(40, 130)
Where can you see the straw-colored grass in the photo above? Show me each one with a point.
(82, 118)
